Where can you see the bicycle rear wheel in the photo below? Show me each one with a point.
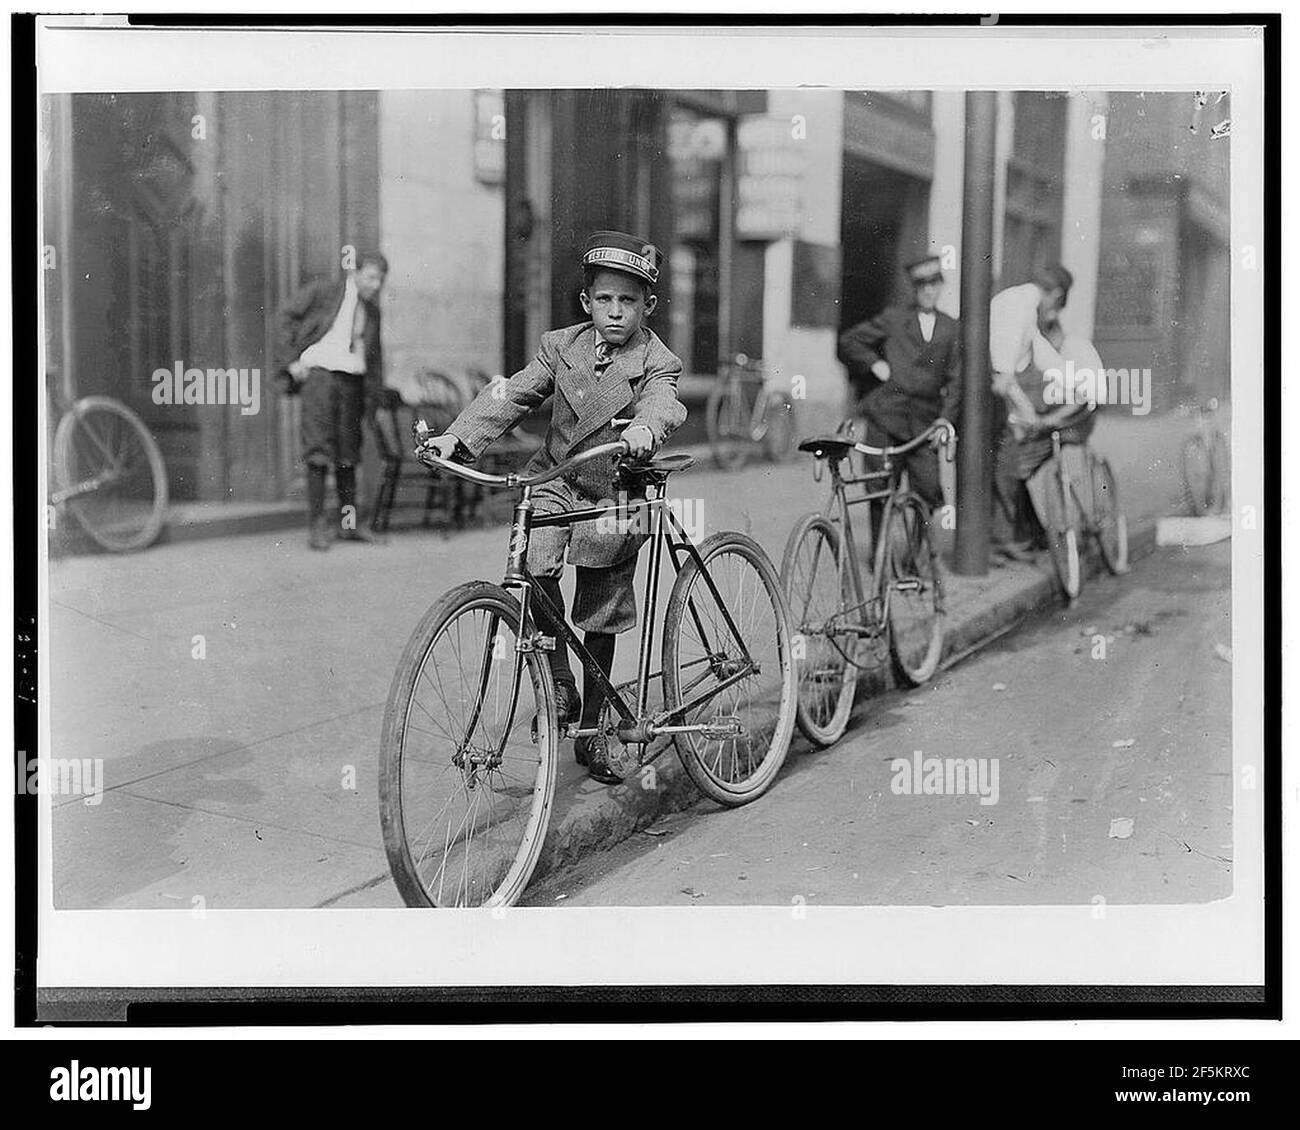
(465, 791)
(823, 616)
(105, 447)
(1221, 462)
(1109, 524)
(1062, 534)
(1198, 475)
(701, 651)
(727, 419)
(915, 595)
(777, 427)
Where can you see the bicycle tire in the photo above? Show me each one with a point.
(1062, 536)
(913, 568)
(1221, 463)
(825, 663)
(727, 425)
(1110, 528)
(691, 599)
(1198, 475)
(400, 753)
(145, 523)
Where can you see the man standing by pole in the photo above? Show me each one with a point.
(329, 351)
(910, 357)
(1018, 317)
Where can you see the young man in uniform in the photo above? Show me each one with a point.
(610, 366)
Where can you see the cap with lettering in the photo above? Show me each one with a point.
(618, 251)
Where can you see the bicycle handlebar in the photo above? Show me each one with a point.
(513, 479)
(947, 431)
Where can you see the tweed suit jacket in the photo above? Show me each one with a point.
(924, 376)
(640, 382)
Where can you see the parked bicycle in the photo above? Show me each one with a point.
(1206, 465)
(107, 472)
(848, 625)
(470, 747)
(746, 413)
(1081, 505)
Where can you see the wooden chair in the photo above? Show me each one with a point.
(439, 401)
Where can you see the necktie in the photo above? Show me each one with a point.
(604, 355)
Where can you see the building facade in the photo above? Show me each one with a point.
(182, 222)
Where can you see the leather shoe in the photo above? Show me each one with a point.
(568, 705)
(592, 752)
(320, 534)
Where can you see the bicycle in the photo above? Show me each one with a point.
(745, 412)
(107, 471)
(1206, 465)
(467, 781)
(844, 624)
(1082, 505)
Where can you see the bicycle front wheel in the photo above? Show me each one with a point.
(105, 455)
(726, 417)
(915, 591)
(727, 648)
(1062, 534)
(824, 616)
(1109, 524)
(466, 776)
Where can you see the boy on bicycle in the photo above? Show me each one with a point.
(611, 366)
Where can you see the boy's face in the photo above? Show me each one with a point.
(617, 304)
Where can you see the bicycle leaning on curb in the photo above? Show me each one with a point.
(844, 623)
(470, 744)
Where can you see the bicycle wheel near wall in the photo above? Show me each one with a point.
(708, 632)
(1199, 475)
(1062, 535)
(1221, 461)
(1109, 524)
(915, 595)
(105, 455)
(465, 789)
(727, 419)
(823, 616)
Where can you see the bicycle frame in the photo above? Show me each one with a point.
(839, 509)
(634, 726)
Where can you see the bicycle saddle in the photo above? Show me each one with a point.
(657, 468)
(832, 447)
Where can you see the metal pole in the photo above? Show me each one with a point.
(975, 478)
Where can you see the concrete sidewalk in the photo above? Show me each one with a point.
(234, 689)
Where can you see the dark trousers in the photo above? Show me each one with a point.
(922, 470)
(1013, 517)
(333, 405)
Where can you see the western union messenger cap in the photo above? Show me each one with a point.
(618, 251)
